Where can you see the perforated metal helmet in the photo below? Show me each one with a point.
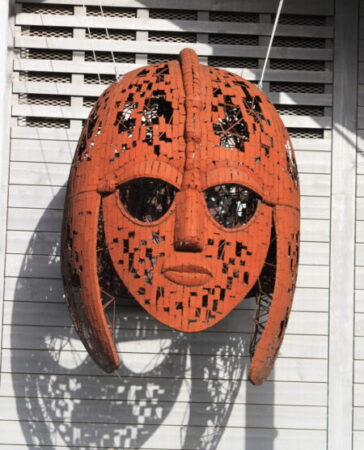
(183, 186)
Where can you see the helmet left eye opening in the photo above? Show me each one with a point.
(231, 205)
(147, 199)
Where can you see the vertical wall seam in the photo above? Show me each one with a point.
(6, 55)
(342, 245)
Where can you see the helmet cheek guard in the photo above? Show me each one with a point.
(183, 190)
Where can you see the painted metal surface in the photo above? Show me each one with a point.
(184, 192)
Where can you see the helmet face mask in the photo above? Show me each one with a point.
(190, 173)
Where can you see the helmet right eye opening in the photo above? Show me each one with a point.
(231, 205)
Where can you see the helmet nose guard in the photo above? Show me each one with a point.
(197, 128)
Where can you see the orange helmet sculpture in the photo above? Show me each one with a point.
(184, 185)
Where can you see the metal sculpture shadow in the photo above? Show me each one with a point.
(188, 382)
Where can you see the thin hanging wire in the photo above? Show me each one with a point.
(93, 50)
(260, 84)
(117, 73)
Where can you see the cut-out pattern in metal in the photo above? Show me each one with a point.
(185, 183)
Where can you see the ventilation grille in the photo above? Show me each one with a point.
(36, 8)
(54, 32)
(242, 63)
(89, 102)
(233, 39)
(287, 64)
(298, 42)
(45, 77)
(107, 11)
(156, 59)
(304, 88)
(222, 16)
(300, 110)
(41, 122)
(99, 79)
(119, 35)
(37, 53)
(128, 58)
(46, 100)
(166, 36)
(170, 14)
(291, 19)
(305, 133)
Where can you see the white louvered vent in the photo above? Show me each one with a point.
(304, 88)
(282, 60)
(41, 122)
(39, 8)
(54, 32)
(40, 99)
(287, 64)
(38, 53)
(292, 19)
(225, 16)
(118, 35)
(165, 36)
(108, 11)
(172, 14)
(221, 61)
(300, 110)
(128, 58)
(45, 77)
(233, 39)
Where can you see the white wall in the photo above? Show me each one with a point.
(174, 391)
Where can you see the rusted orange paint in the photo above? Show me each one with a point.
(193, 127)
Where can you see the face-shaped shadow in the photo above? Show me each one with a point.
(189, 382)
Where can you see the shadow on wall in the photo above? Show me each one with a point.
(189, 383)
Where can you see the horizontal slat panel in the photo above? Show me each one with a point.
(359, 371)
(76, 89)
(31, 150)
(359, 254)
(248, 51)
(69, 112)
(359, 301)
(34, 219)
(35, 337)
(358, 417)
(57, 315)
(109, 69)
(313, 162)
(359, 347)
(285, 369)
(359, 324)
(149, 24)
(73, 134)
(36, 197)
(310, 394)
(324, 7)
(48, 243)
(315, 230)
(40, 267)
(95, 411)
(359, 277)
(358, 440)
(41, 290)
(358, 394)
(246, 439)
(57, 175)
(360, 208)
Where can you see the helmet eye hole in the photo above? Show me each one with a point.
(147, 199)
(231, 205)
